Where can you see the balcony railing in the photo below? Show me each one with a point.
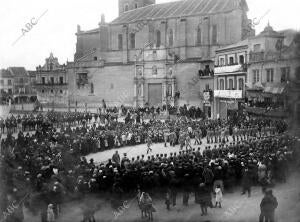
(263, 56)
(51, 84)
(206, 73)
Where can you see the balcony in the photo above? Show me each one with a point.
(229, 94)
(51, 85)
(263, 56)
(234, 68)
(206, 73)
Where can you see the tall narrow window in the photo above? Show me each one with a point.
(199, 36)
(231, 60)
(270, 75)
(222, 84)
(52, 80)
(120, 41)
(242, 60)
(135, 5)
(230, 84)
(285, 74)
(214, 34)
(43, 80)
(126, 8)
(158, 38)
(92, 88)
(255, 75)
(132, 40)
(222, 62)
(171, 38)
(61, 80)
(241, 84)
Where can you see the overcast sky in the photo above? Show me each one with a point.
(55, 30)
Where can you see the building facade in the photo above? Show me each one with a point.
(153, 50)
(6, 85)
(23, 88)
(51, 82)
(230, 77)
(272, 73)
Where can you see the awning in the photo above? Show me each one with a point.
(274, 89)
(254, 94)
(264, 112)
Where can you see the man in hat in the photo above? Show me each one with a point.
(149, 143)
(246, 181)
(267, 206)
(116, 158)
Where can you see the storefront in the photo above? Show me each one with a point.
(228, 102)
(207, 103)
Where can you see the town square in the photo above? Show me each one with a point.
(150, 110)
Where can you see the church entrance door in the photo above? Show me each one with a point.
(155, 94)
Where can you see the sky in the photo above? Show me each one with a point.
(54, 31)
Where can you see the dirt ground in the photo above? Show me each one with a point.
(235, 207)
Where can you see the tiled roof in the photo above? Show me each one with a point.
(235, 45)
(18, 71)
(4, 73)
(180, 9)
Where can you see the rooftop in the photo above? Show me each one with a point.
(18, 71)
(235, 45)
(4, 73)
(180, 9)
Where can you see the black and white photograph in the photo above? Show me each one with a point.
(150, 110)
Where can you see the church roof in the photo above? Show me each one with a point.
(180, 9)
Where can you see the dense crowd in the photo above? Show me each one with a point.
(50, 164)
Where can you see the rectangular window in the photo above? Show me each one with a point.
(222, 61)
(9, 82)
(2, 82)
(52, 80)
(199, 36)
(270, 75)
(61, 80)
(214, 34)
(120, 42)
(231, 60)
(230, 83)
(43, 80)
(256, 48)
(255, 75)
(242, 60)
(82, 79)
(9, 91)
(285, 74)
(132, 40)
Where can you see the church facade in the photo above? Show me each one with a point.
(152, 53)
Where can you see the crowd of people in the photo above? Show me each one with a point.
(50, 164)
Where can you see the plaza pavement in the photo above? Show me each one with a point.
(139, 150)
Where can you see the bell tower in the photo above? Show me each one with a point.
(127, 5)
